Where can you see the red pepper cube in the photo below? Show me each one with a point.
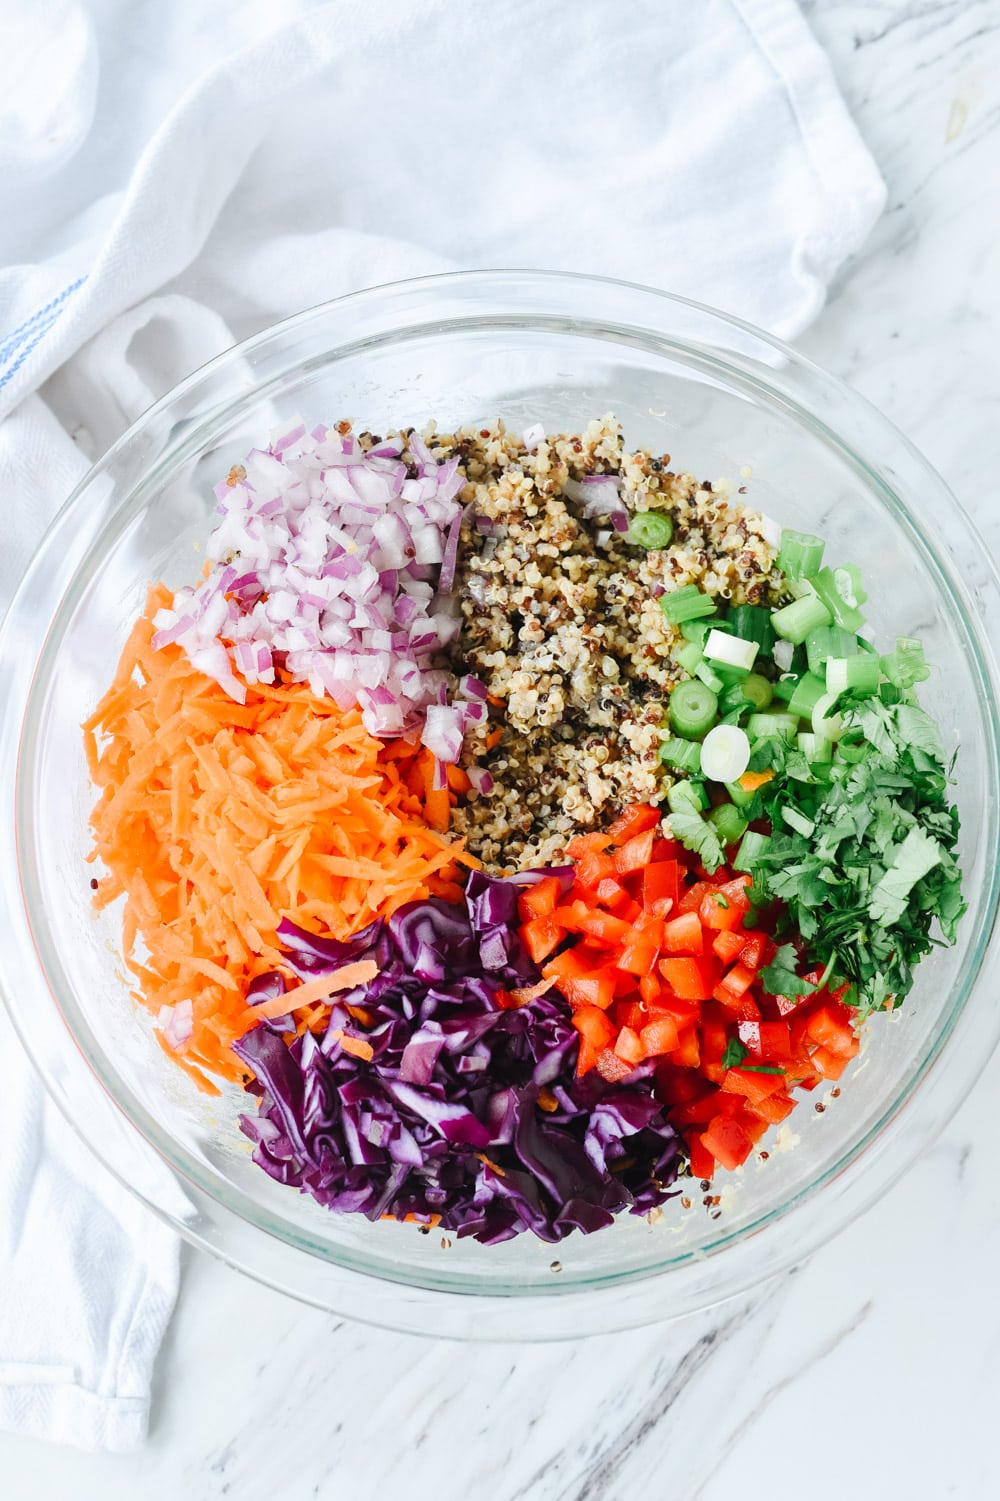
(677, 1086)
(661, 887)
(611, 892)
(659, 1037)
(701, 1159)
(683, 935)
(635, 854)
(690, 899)
(774, 1042)
(541, 899)
(728, 946)
(734, 985)
(596, 1032)
(688, 1050)
(611, 1067)
(637, 818)
(717, 912)
(650, 988)
(751, 1086)
(727, 1141)
(592, 868)
(829, 1064)
(773, 1108)
(541, 936)
(587, 844)
(829, 1025)
(629, 1047)
(752, 952)
(690, 979)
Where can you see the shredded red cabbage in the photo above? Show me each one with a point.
(445, 1119)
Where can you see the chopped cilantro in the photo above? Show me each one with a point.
(696, 833)
(734, 1054)
(779, 977)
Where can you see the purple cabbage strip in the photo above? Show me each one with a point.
(445, 1118)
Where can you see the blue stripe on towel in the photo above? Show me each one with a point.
(19, 343)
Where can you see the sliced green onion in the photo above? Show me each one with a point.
(688, 603)
(689, 655)
(773, 727)
(650, 529)
(757, 689)
(798, 821)
(829, 641)
(733, 651)
(785, 686)
(815, 748)
(729, 824)
(752, 847)
(906, 666)
(753, 623)
(729, 675)
(795, 621)
(858, 674)
(707, 674)
(693, 709)
(849, 585)
(685, 755)
(740, 796)
(830, 726)
(801, 554)
(697, 630)
(725, 753)
(808, 691)
(842, 613)
(687, 797)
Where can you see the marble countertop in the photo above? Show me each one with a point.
(883, 1351)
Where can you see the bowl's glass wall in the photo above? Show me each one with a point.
(719, 413)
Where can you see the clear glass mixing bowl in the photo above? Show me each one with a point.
(723, 399)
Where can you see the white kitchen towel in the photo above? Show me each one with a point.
(173, 175)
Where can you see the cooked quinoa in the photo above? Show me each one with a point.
(560, 618)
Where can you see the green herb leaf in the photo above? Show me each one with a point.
(762, 1068)
(913, 859)
(779, 977)
(734, 1054)
(696, 833)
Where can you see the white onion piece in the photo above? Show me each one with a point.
(725, 753)
(336, 566)
(782, 654)
(735, 651)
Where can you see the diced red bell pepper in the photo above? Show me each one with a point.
(728, 946)
(704, 1107)
(539, 900)
(690, 899)
(659, 1037)
(660, 886)
(683, 935)
(734, 985)
(668, 849)
(603, 927)
(688, 1049)
(752, 952)
(630, 1014)
(773, 1108)
(752, 1086)
(637, 818)
(596, 1032)
(718, 913)
(727, 1141)
(587, 844)
(691, 979)
(702, 1161)
(714, 1036)
(629, 1048)
(634, 855)
(830, 1026)
(753, 1125)
(611, 1067)
(773, 1041)
(613, 894)
(677, 1086)
(650, 988)
(541, 935)
(582, 977)
(592, 868)
(831, 1065)
(735, 891)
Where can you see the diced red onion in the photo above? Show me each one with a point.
(480, 779)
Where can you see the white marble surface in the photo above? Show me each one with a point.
(877, 1365)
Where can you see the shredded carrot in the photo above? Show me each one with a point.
(751, 780)
(356, 1046)
(215, 821)
(311, 991)
(493, 739)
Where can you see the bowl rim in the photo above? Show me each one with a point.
(500, 283)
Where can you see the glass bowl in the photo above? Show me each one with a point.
(724, 400)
